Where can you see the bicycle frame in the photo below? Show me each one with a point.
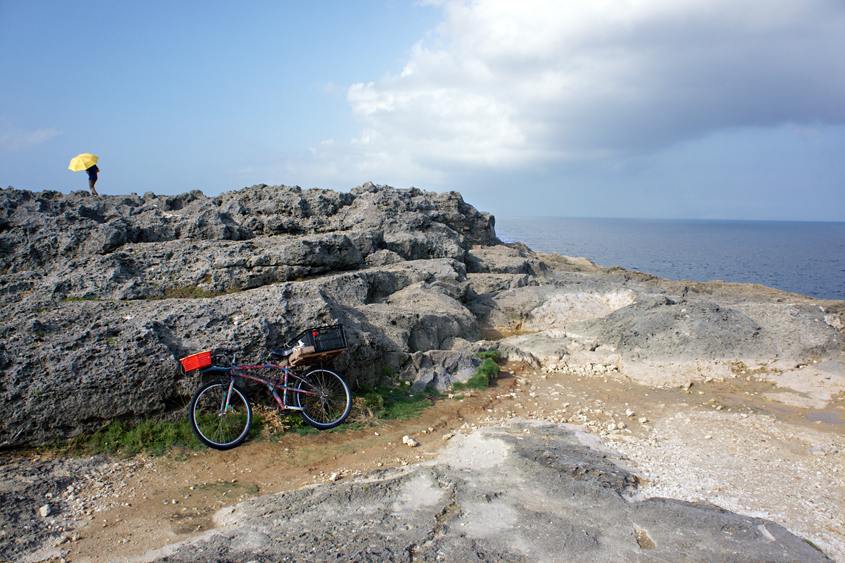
(273, 386)
(221, 413)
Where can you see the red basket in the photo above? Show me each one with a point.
(196, 361)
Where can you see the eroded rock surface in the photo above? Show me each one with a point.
(524, 492)
(101, 296)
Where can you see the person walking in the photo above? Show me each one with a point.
(87, 162)
(92, 178)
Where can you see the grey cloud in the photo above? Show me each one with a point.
(624, 85)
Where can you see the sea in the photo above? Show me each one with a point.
(799, 257)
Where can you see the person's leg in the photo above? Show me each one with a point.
(91, 185)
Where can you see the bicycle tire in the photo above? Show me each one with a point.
(330, 406)
(221, 431)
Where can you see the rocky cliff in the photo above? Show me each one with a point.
(101, 296)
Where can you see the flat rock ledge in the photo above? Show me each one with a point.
(528, 491)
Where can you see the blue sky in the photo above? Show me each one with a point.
(722, 109)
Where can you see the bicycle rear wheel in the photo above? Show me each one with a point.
(324, 397)
(218, 426)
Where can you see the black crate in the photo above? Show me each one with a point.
(323, 339)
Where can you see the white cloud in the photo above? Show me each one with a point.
(609, 108)
(512, 84)
(15, 138)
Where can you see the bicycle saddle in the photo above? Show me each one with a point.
(282, 353)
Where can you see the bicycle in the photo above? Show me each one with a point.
(220, 412)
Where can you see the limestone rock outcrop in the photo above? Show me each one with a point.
(102, 295)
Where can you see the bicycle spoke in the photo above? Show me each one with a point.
(324, 398)
(217, 425)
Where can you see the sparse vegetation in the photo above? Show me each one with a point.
(494, 355)
(370, 405)
(389, 403)
(269, 423)
(487, 372)
(149, 437)
(156, 438)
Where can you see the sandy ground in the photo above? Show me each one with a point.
(728, 443)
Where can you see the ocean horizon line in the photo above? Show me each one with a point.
(805, 257)
(667, 219)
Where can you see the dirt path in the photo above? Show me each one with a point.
(699, 443)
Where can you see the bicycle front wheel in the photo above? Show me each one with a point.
(324, 397)
(219, 425)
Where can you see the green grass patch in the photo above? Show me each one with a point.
(486, 373)
(150, 437)
(392, 403)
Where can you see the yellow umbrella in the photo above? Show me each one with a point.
(83, 162)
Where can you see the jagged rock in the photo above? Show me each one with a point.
(513, 259)
(440, 369)
(87, 247)
(102, 295)
(483, 284)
